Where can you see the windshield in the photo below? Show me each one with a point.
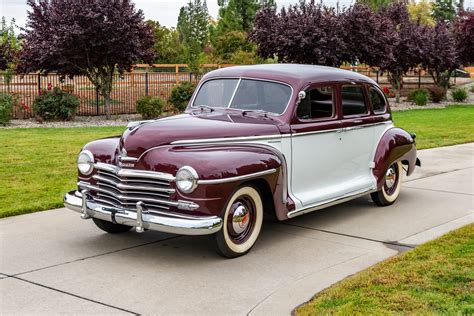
(245, 94)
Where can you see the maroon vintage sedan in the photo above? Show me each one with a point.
(281, 139)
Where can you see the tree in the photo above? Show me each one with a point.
(407, 45)
(193, 29)
(463, 30)
(304, 33)
(375, 4)
(440, 56)
(167, 47)
(444, 10)
(369, 36)
(86, 37)
(238, 15)
(421, 12)
(9, 48)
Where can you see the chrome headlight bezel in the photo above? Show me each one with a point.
(189, 175)
(85, 162)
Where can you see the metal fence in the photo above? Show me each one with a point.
(157, 80)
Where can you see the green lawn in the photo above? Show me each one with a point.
(438, 127)
(37, 166)
(435, 278)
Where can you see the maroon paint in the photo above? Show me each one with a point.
(396, 144)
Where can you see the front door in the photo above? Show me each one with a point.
(316, 147)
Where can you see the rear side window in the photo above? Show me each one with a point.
(318, 104)
(353, 100)
(377, 100)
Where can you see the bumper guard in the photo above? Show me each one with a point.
(170, 223)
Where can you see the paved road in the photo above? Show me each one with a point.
(52, 262)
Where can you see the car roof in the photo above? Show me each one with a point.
(290, 73)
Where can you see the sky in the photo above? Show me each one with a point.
(164, 11)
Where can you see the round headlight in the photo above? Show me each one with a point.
(186, 179)
(85, 162)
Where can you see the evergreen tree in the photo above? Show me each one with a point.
(238, 15)
(444, 10)
(193, 29)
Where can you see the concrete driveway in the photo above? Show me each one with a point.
(53, 262)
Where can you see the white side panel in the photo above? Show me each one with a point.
(315, 166)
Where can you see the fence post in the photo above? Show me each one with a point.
(419, 78)
(97, 100)
(377, 76)
(39, 83)
(177, 73)
(146, 83)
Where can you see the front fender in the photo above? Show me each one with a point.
(395, 144)
(221, 169)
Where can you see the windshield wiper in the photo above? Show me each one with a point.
(205, 107)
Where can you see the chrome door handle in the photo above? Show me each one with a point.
(340, 130)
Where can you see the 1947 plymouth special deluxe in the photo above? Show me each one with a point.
(283, 139)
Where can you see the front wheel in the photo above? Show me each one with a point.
(391, 186)
(241, 223)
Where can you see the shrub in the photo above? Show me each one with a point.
(459, 94)
(56, 105)
(472, 89)
(6, 108)
(437, 94)
(419, 96)
(149, 107)
(181, 95)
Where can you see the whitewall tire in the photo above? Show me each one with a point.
(391, 185)
(242, 222)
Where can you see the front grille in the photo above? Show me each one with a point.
(125, 187)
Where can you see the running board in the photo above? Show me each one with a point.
(330, 202)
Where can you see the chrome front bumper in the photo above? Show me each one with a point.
(169, 223)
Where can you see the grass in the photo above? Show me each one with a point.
(37, 166)
(435, 278)
(438, 127)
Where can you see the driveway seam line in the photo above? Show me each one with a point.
(437, 174)
(393, 243)
(94, 256)
(74, 295)
(443, 191)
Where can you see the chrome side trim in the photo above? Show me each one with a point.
(182, 225)
(227, 139)
(134, 173)
(128, 159)
(330, 202)
(238, 178)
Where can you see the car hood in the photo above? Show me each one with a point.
(195, 126)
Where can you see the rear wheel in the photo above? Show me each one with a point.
(391, 186)
(111, 227)
(241, 223)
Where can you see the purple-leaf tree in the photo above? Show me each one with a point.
(463, 30)
(369, 36)
(440, 56)
(94, 38)
(304, 33)
(407, 45)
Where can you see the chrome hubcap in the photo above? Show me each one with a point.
(240, 219)
(390, 177)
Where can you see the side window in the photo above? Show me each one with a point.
(377, 100)
(318, 104)
(353, 100)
